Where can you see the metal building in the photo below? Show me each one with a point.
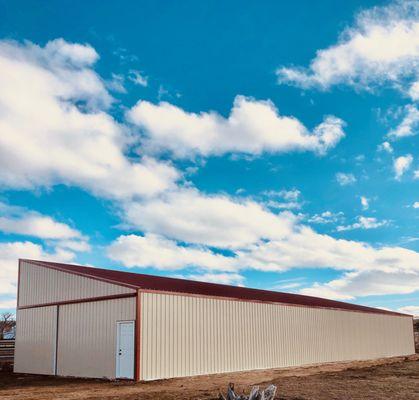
(89, 322)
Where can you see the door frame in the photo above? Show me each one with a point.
(117, 363)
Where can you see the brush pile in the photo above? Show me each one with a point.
(255, 393)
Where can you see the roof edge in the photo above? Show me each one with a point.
(67, 268)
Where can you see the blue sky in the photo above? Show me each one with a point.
(268, 144)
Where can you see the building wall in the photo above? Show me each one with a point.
(35, 340)
(185, 335)
(87, 336)
(39, 285)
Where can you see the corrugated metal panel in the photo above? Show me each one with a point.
(184, 335)
(87, 337)
(38, 285)
(35, 341)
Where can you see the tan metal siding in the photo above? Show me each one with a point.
(35, 341)
(184, 335)
(87, 336)
(39, 285)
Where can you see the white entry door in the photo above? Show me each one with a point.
(125, 349)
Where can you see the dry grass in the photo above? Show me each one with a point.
(394, 378)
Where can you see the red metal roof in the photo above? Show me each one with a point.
(151, 282)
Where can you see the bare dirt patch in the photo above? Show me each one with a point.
(390, 378)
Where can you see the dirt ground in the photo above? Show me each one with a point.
(391, 378)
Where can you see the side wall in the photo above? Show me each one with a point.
(35, 340)
(184, 335)
(87, 337)
(41, 285)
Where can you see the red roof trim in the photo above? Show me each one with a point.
(164, 284)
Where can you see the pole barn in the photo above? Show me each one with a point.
(90, 322)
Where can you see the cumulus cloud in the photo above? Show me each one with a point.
(214, 220)
(381, 47)
(55, 128)
(363, 223)
(385, 146)
(401, 165)
(18, 220)
(21, 221)
(253, 127)
(156, 251)
(366, 283)
(416, 204)
(255, 237)
(345, 179)
(409, 125)
(305, 248)
(365, 203)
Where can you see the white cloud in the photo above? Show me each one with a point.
(416, 174)
(55, 128)
(382, 47)
(409, 125)
(138, 78)
(414, 91)
(282, 199)
(155, 251)
(62, 52)
(305, 248)
(78, 246)
(363, 223)
(20, 221)
(326, 217)
(365, 203)
(116, 84)
(290, 195)
(416, 204)
(412, 310)
(215, 220)
(253, 127)
(385, 146)
(401, 165)
(10, 252)
(256, 237)
(345, 179)
(366, 283)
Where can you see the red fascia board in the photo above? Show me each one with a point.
(158, 283)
